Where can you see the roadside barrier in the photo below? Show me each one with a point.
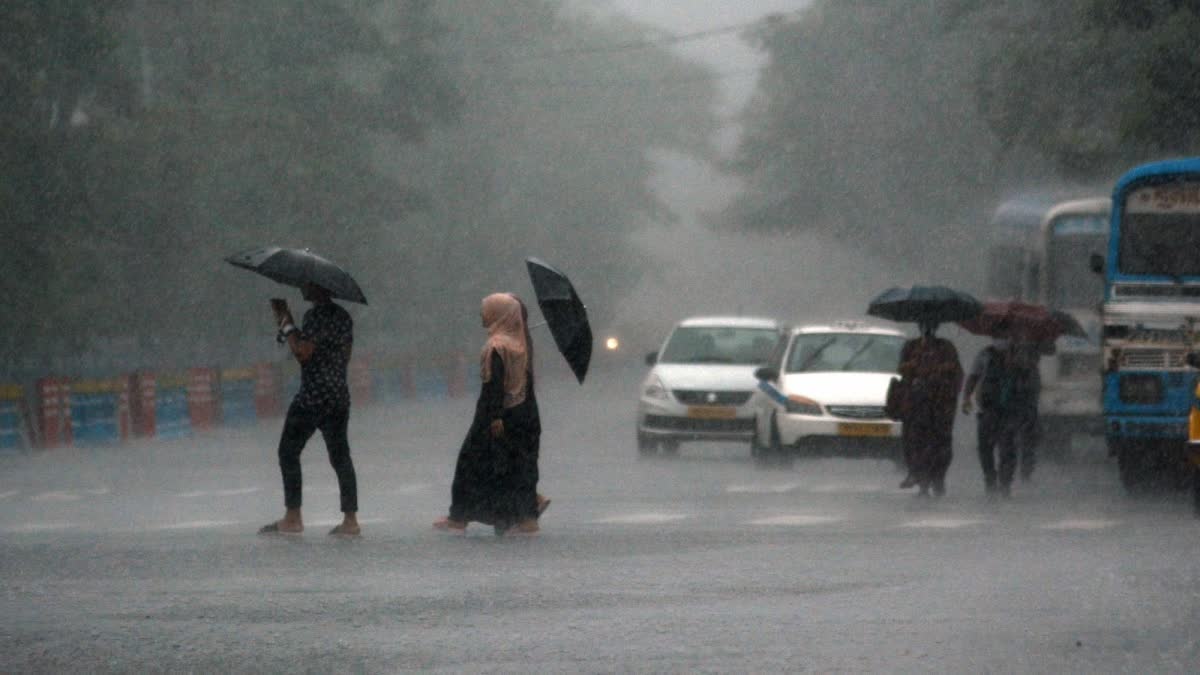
(172, 419)
(267, 391)
(12, 417)
(237, 397)
(95, 418)
(359, 378)
(54, 412)
(143, 400)
(148, 404)
(202, 397)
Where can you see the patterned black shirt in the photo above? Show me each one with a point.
(323, 377)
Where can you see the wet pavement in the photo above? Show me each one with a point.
(145, 558)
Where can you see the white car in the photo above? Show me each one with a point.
(700, 383)
(824, 393)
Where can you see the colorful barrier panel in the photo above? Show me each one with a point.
(171, 416)
(237, 397)
(54, 412)
(143, 401)
(95, 418)
(202, 397)
(268, 394)
(12, 417)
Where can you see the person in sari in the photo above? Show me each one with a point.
(933, 374)
(496, 475)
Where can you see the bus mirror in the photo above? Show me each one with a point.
(1096, 263)
(766, 373)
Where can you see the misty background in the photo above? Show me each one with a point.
(761, 157)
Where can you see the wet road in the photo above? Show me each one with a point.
(144, 558)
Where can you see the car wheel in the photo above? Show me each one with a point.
(645, 445)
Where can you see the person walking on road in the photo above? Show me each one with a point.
(322, 345)
(496, 475)
(932, 374)
(1004, 377)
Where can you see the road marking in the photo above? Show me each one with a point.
(846, 488)
(1080, 524)
(762, 488)
(232, 492)
(641, 519)
(943, 523)
(796, 519)
(56, 496)
(197, 524)
(41, 527)
(9, 493)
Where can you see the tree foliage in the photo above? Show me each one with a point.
(425, 147)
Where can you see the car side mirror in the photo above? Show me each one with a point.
(767, 373)
(1193, 359)
(1096, 263)
(652, 358)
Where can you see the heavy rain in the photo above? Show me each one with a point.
(852, 336)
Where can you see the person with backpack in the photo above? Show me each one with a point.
(1005, 379)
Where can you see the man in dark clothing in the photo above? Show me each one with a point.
(322, 345)
(1007, 380)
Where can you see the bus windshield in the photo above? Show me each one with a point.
(1160, 230)
(1073, 239)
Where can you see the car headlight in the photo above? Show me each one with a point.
(799, 405)
(655, 389)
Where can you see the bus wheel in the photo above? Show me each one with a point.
(1131, 465)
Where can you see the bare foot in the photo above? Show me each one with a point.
(346, 530)
(283, 526)
(525, 527)
(448, 524)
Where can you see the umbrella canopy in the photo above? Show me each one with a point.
(296, 267)
(1022, 321)
(565, 315)
(921, 304)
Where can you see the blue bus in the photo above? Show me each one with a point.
(1149, 315)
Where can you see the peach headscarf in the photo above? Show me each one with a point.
(506, 337)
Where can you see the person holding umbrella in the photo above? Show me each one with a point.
(495, 477)
(322, 344)
(931, 375)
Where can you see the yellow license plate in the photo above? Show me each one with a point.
(711, 412)
(861, 429)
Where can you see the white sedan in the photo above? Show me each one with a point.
(700, 384)
(824, 393)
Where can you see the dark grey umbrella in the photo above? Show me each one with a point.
(296, 267)
(565, 315)
(921, 304)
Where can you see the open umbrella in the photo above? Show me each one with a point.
(296, 267)
(920, 304)
(1022, 321)
(565, 315)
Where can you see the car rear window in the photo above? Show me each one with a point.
(713, 344)
(844, 352)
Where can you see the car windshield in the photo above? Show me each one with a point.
(717, 344)
(844, 352)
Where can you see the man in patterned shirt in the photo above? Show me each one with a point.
(322, 345)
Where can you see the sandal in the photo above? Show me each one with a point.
(337, 531)
(543, 503)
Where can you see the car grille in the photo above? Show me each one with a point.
(699, 425)
(1152, 359)
(857, 412)
(709, 397)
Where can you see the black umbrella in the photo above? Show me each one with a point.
(920, 304)
(296, 267)
(565, 315)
